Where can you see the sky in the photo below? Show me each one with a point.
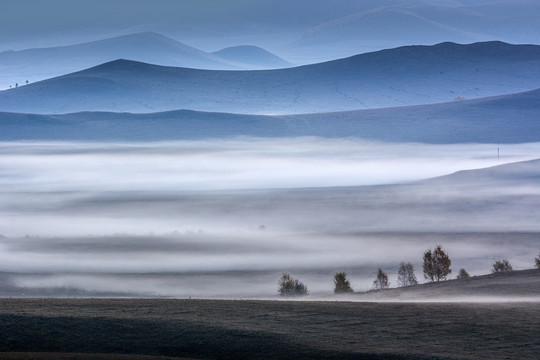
(298, 30)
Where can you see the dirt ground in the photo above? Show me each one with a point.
(219, 329)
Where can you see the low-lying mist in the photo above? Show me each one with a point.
(225, 218)
(238, 164)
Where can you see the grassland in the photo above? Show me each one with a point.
(220, 329)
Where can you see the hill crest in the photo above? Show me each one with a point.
(518, 285)
(390, 78)
(470, 121)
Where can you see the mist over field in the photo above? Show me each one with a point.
(205, 218)
(202, 148)
(240, 179)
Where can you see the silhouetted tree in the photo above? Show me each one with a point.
(436, 264)
(289, 286)
(341, 284)
(406, 275)
(537, 261)
(502, 265)
(381, 281)
(463, 274)
(26, 82)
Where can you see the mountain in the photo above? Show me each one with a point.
(403, 76)
(391, 24)
(149, 47)
(503, 119)
(252, 57)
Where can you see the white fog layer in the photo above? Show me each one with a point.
(205, 218)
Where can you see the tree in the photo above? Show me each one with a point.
(341, 284)
(406, 275)
(436, 264)
(381, 281)
(463, 274)
(537, 261)
(502, 265)
(289, 286)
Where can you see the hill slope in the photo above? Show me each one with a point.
(403, 76)
(516, 285)
(503, 119)
(396, 23)
(42, 63)
(252, 57)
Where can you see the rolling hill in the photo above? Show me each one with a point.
(252, 57)
(426, 22)
(403, 76)
(149, 47)
(503, 119)
(523, 285)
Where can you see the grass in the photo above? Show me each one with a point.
(219, 329)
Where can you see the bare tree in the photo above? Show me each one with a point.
(381, 281)
(463, 274)
(406, 275)
(537, 261)
(502, 265)
(341, 284)
(289, 286)
(436, 264)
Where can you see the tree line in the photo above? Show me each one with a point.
(436, 267)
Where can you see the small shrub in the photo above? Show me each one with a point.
(501, 266)
(463, 274)
(341, 284)
(537, 261)
(289, 286)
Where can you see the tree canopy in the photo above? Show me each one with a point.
(406, 276)
(502, 265)
(289, 286)
(463, 274)
(341, 284)
(381, 281)
(436, 264)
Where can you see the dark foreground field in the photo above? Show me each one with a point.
(217, 329)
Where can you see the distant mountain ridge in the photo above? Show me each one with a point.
(148, 47)
(386, 24)
(503, 119)
(252, 57)
(410, 75)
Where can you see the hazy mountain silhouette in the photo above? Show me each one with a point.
(503, 119)
(148, 47)
(403, 76)
(389, 24)
(252, 57)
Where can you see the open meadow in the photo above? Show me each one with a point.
(218, 329)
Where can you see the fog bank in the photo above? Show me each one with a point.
(203, 219)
